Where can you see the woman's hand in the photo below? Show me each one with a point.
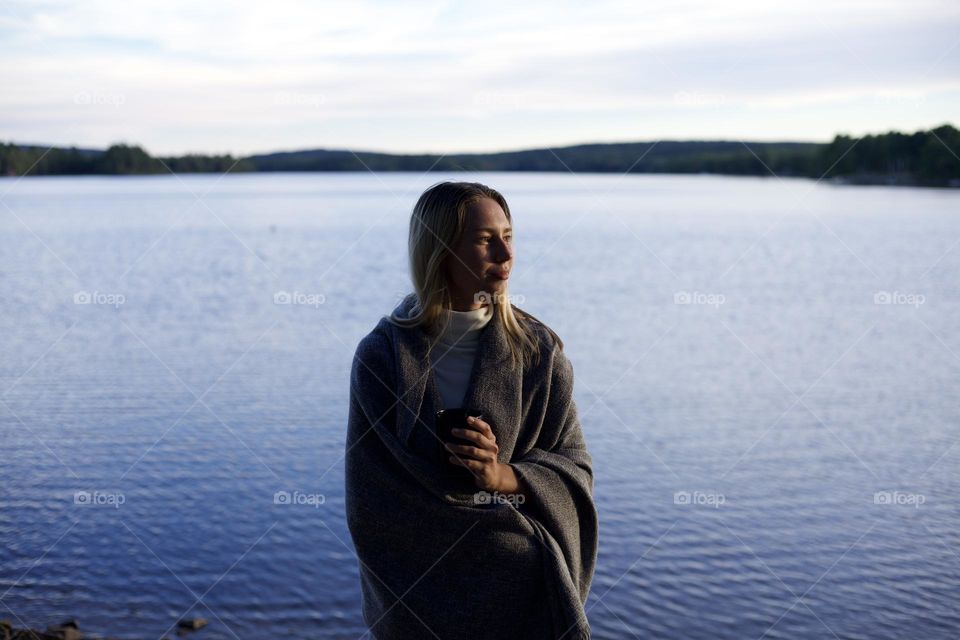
(480, 457)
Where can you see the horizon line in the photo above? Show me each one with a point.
(458, 153)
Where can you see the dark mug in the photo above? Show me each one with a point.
(447, 420)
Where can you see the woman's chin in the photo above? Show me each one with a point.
(494, 291)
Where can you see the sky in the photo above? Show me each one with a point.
(420, 77)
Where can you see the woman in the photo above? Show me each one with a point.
(510, 552)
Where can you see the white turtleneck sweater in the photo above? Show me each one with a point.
(453, 355)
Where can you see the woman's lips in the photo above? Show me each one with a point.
(500, 275)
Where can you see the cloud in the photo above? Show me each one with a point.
(238, 77)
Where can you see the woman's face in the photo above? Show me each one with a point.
(482, 259)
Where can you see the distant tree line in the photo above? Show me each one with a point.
(926, 157)
(119, 159)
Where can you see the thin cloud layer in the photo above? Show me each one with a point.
(216, 77)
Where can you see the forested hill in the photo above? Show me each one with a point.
(928, 157)
(641, 157)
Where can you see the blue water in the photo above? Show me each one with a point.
(778, 458)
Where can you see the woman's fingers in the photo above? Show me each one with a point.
(469, 463)
(476, 431)
(477, 457)
(465, 449)
(473, 452)
(475, 436)
(482, 426)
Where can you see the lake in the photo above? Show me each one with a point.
(766, 375)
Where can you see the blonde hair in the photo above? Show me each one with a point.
(437, 223)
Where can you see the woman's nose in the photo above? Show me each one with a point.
(504, 252)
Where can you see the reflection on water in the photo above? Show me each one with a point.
(766, 373)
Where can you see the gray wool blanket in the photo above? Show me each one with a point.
(435, 560)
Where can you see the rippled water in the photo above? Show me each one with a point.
(778, 457)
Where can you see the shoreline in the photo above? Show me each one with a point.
(867, 180)
(70, 630)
